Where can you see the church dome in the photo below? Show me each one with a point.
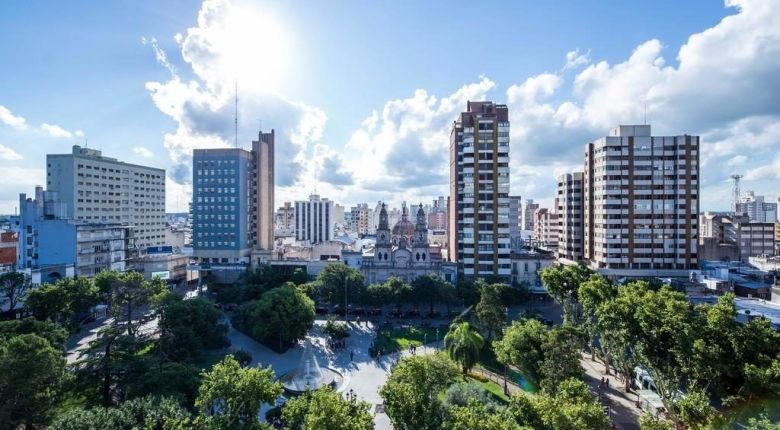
(403, 230)
(403, 227)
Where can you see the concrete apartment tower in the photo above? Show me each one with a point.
(314, 220)
(479, 191)
(570, 225)
(263, 219)
(641, 203)
(100, 189)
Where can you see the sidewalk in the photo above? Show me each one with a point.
(625, 415)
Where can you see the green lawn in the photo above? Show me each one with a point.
(496, 390)
(400, 339)
(487, 360)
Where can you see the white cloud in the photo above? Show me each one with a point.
(143, 152)
(14, 180)
(223, 47)
(59, 132)
(8, 154)
(576, 59)
(11, 120)
(723, 87)
(402, 152)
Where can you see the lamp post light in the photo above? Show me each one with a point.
(437, 337)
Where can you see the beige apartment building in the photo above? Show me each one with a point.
(641, 203)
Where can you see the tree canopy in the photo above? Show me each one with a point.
(281, 316)
(325, 409)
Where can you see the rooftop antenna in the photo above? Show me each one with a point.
(235, 118)
(735, 190)
(645, 123)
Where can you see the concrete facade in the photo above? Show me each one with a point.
(570, 223)
(479, 191)
(641, 203)
(100, 189)
(314, 221)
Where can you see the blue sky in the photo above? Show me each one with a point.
(362, 93)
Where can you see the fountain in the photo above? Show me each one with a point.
(309, 375)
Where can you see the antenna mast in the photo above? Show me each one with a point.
(735, 190)
(235, 118)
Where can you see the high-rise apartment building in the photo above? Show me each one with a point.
(641, 202)
(529, 209)
(515, 208)
(570, 225)
(100, 189)
(479, 191)
(756, 208)
(263, 191)
(285, 220)
(314, 220)
(361, 219)
(222, 210)
(546, 228)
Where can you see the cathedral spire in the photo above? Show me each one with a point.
(383, 224)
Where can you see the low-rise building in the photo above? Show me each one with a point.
(161, 262)
(526, 266)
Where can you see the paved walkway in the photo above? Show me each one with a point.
(622, 405)
(364, 375)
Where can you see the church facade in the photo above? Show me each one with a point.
(404, 251)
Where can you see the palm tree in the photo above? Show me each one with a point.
(463, 344)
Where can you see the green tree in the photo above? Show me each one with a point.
(491, 311)
(762, 423)
(571, 408)
(188, 326)
(476, 416)
(694, 409)
(176, 380)
(325, 409)
(412, 389)
(53, 333)
(149, 413)
(378, 294)
(521, 346)
(561, 362)
(592, 294)
(463, 344)
(427, 288)
(129, 291)
(562, 283)
(32, 373)
(649, 421)
(664, 344)
(400, 290)
(109, 364)
(281, 316)
(334, 277)
(13, 286)
(67, 302)
(232, 395)
(467, 291)
(619, 330)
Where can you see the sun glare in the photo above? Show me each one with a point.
(254, 49)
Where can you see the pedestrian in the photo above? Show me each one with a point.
(607, 382)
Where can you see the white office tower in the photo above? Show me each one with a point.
(314, 220)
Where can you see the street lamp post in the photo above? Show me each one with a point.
(437, 337)
(346, 303)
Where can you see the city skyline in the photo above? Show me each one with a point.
(356, 136)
